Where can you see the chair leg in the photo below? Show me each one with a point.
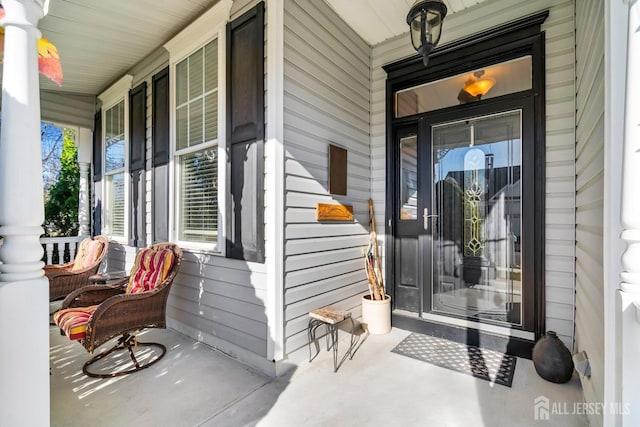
(126, 342)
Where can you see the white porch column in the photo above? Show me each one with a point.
(630, 216)
(83, 141)
(24, 295)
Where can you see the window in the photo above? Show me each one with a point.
(484, 83)
(114, 167)
(206, 79)
(196, 147)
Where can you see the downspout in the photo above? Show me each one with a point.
(275, 153)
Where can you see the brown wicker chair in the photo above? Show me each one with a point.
(97, 313)
(67, 277)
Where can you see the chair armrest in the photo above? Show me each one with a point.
(126, 312)
(57, 270)
(92, 295)
(54, 267)
(111, 278)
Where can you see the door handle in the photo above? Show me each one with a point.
(425, 218)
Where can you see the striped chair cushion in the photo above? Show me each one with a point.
(150, 268)
(88, 253)
(73, 321)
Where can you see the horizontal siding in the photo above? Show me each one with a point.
(222, 301)
(326, 101)
(560, 136)
(213, 299)
(590, 195)
(68, 109)
(224, 298)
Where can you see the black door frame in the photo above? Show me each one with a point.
(499, 44)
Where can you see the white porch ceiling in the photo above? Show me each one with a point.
(379, 20)
(99, 41)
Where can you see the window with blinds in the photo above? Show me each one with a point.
(197, 97)
(199, 193)
(196, 145)
(114, 152)
(115, 206)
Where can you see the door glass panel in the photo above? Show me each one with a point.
(409, 178)
(476, 231)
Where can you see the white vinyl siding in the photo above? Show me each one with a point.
(589, 195)
(68, 109)
(560, 136)
(326, 101)
(216, 300)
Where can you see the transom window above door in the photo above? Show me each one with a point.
(488, 82)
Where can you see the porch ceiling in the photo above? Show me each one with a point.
(378, 20)
(99, 40)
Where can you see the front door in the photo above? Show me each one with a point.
(463, 188)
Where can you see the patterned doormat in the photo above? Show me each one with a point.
(489, 365)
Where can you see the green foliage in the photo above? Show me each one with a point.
(61, 208)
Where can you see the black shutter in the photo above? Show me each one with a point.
(97, 147)
(137, 127)
(160, 155)
(137, 143)
(97, 174)
(245, 127)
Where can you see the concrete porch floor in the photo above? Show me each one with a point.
(195, 385)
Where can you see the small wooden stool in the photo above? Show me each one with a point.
(331, 317)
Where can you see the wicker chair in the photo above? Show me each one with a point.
(97, 313)
(67, 277)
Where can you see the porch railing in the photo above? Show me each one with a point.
(59, 250)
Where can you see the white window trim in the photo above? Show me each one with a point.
(116, 93)
(211, 25)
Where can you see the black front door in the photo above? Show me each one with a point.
(463, 212)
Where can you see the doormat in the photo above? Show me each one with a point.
(489, 365)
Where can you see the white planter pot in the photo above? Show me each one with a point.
(376, 315)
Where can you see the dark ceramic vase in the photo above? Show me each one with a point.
(552, 359)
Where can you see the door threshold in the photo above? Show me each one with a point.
(485, 327)
(504, 340)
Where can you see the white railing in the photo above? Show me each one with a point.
(58, 245)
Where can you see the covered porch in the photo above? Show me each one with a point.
(324, 70)
(198, 386)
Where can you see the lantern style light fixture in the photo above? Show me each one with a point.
(425, 23)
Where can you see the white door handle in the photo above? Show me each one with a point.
(425, 218)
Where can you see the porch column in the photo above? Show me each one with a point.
(83, 142)
(24, 295)
(630, 219)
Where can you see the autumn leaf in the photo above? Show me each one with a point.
(48, 59)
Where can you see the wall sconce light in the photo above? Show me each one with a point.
(425, 23)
